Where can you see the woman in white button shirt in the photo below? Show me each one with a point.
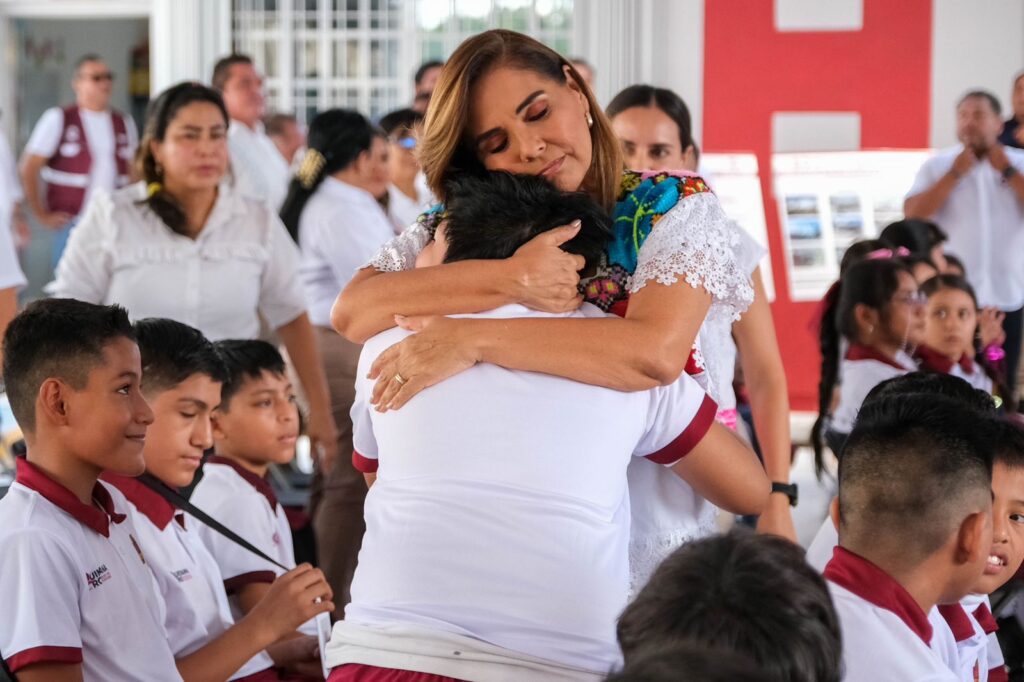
(333, 214)
(184, 245)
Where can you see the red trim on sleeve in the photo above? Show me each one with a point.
(998, 674)
(691, 435)
(358, 672)
(364, 464)
(232, 585)
(44, 654)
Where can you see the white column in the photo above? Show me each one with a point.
(187, 37)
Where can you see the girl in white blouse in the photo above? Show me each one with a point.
(333, 213)
(184, 245)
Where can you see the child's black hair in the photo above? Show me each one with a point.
(914, 465)
(1009, 443)
(931, 383)
(400, 121)
(490, 215)
(858, 251)
(56, 338)
(246, 359)
(751, 594)
(955, 262)
(172, 352)
(917, 236)
(693, 663)
(872, 283)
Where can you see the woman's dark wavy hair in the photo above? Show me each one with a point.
(670, 104)
(340, 136)
(161, 112)
(872, 283)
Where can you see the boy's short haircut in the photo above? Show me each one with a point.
(172, 352)
(690, 662)
(492, 214)
(1008, 447)
(56, 338)
(935, 383)
(914, 466)
(246, 359)
(750, 594)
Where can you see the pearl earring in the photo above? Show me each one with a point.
(590, 120)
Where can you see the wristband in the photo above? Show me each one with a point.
(787, 489)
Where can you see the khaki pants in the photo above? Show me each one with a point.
(336, 501)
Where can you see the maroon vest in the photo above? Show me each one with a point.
(67, 172)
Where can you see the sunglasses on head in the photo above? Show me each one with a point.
(405, 142)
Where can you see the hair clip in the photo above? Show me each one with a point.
(153, 188)
(885, 254)
(309, 170)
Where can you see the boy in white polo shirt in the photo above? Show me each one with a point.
(915, 510)
(255, 425)
(79, 602)
(182, 376)
(497, 528)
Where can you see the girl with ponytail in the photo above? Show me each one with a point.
(334, 213)
(876, 308)
(183, 244)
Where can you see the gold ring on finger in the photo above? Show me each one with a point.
(400, 379)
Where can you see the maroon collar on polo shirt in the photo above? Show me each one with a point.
(256, 481)
(858, 351)
(935, 361)
(96, 517)
(957, 620)
(985, 619)
(151, 505)
(875, 586)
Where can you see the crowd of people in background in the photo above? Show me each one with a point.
(509, 321)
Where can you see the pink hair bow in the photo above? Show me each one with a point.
(885, 254)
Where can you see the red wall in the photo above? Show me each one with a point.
(751, 70)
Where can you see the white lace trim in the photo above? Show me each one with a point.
(697, 241)
(647, 553)
(400, 253)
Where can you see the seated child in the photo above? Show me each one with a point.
(182, 378)
(951, 318)
(915, 530)
(877, 311)
(693, 663)
(488, 534)
(255, 425)
(753, 595)
(78, 600)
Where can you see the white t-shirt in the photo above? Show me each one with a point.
(99, 135)
(341, 228)
(886, 635)
(985, 223)
(261, 173)
(245, 503)
(404, 210)
(501, 509)
(195, 605)
(862, 369)
(241, 266)
(74, 584)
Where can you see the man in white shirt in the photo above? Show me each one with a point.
(260, 170)
(77, 150)
(975, 192)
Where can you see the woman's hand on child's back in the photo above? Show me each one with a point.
(293, 598)
(545, 277)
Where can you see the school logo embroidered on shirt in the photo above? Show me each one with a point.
(182, 575)
(97, 577)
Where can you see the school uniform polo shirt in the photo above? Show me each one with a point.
(862, 369)
(886, 635)
(501, 509)
(981, 657)
(195, 604)
(74, 584)
(245, 503)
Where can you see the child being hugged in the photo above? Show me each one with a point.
(182, 378)
(78, 600)
(877, 311)
(951, 319)
(256, 425)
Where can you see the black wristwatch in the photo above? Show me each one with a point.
(787, 489)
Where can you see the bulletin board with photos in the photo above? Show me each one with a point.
(828, 200)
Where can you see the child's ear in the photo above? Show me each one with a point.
(974, 539)
(867, 318)
(52, 402)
